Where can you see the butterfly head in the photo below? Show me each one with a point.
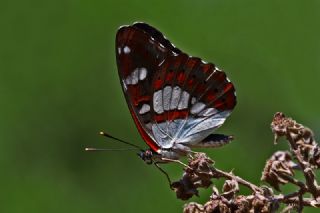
(146, 156)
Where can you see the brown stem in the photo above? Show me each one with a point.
(307, 172)
(279, 170)
(241, 181)
(294, 181)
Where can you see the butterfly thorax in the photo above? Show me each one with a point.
(149, 156)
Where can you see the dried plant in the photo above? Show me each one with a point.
(280, 169)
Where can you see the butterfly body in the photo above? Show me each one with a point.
(175, 100)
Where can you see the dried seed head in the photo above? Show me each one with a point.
(198, 174)
(230, 188)
(315, 156)
(193, 208)
(260, 204)
(242, 204)
(185, 187)
(301, 139)
(279, 124)
(278, 169)
(282, 125)
(218, 204)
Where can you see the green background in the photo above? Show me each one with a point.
(59, 87)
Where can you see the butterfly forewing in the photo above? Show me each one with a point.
(138, 58)
(156, 35)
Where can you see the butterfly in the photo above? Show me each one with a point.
(176, 100)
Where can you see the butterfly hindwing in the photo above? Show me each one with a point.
(191, 98)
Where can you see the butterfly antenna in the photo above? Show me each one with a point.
(122, 141)
(96, 149)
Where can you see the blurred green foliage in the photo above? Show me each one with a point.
(59, 87)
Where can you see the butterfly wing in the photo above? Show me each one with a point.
(140, 49)
(191, 98)
(173, 98)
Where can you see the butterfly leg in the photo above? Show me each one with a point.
(191, 153)
(165, 173)
(176, 161)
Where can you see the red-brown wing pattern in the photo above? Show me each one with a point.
(188, 92)
(172, 97)
(139, 50)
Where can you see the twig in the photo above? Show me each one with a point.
(279, 170)
(241, 181)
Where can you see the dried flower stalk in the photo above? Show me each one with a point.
(280, 169)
